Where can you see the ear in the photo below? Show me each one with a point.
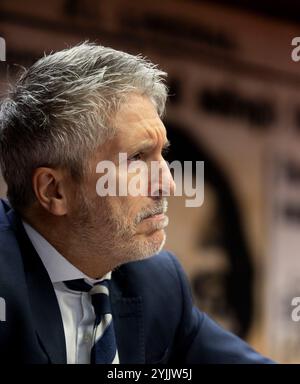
(49, 188)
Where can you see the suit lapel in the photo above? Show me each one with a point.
(128, 321)
(45, 309)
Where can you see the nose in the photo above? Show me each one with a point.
(167, 180)
(162, 182)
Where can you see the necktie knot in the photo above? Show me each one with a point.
(78, 285)
(99, 294)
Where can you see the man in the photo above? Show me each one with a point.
(83, 276)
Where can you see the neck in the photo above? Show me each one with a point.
(73, 246)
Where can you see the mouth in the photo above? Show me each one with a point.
(156, 217)
(155, 222)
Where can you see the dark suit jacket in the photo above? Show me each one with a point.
(154, 318)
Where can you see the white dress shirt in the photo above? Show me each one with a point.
(76, 308)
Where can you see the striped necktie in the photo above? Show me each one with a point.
(104, 347)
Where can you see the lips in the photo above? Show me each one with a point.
(156, 216)
(153, 214)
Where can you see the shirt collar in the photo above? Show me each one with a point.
(58, 267)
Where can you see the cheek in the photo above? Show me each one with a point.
(116, 208)
(128, 206)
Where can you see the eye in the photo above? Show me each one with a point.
(137, 156)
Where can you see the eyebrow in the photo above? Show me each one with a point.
(147, 145)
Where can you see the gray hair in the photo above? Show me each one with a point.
(60, 111)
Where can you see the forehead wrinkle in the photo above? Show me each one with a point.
(156, 131)
(145, 144)
(137, 122)
(140, 135)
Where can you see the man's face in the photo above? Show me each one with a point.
(120, 226)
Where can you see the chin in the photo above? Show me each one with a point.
(153, 243)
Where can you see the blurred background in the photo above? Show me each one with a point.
(235, 104)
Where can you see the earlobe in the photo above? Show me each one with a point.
(48, 186)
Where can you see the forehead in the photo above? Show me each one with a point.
(137, 121)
